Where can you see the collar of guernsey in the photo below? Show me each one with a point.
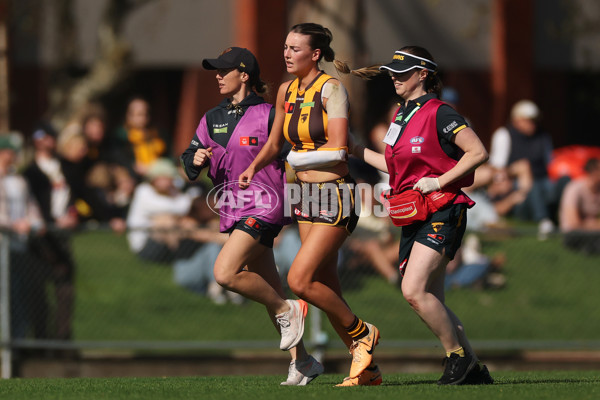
(305, 124)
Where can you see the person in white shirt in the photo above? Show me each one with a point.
(20, 219)
(523, 139)
(155, 210)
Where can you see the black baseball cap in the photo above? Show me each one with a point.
(234, 57)
(402, 62)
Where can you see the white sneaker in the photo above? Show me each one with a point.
(545, 228)
(291, 323)
(301, 374)
(216, 293)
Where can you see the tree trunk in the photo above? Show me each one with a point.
(68, 96)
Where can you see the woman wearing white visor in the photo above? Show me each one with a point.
(431, 149)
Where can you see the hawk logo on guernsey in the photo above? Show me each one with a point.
(437, 226)
(248, 141)
(303, 117)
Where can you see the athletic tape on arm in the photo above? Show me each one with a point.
(337, 100)
(300, 161)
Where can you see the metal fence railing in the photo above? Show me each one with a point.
(521, 293)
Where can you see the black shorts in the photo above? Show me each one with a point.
(443, 232)
(256, 227)
(328, 203)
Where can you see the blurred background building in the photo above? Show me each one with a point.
(58, 54)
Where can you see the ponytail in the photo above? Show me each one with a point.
(364, 73)
(260, 87)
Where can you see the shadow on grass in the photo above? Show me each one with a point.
(429, 382)
(415, 382)
(497, 383)
(410, 383)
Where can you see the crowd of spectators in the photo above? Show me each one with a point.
(54, 182)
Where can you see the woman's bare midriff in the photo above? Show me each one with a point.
(324, 174)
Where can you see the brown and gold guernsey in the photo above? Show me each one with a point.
(305, 125)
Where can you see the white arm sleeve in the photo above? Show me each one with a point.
(500, 148)
(300, 161)
(337, 100)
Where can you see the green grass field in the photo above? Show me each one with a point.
(548, 296)
(513, 385)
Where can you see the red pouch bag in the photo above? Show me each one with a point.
(413, 206)
(407, 207)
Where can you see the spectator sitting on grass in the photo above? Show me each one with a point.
(155, 213)
(138, 143)
(580, 210)
(496, 192)
(372, 244)
(471, 268)
(91, 203)
(523, 139)
(200, 244)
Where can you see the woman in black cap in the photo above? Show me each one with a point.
(227, 140)
(430, 149)
(312, 114)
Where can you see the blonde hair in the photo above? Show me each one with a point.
(72, 147)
